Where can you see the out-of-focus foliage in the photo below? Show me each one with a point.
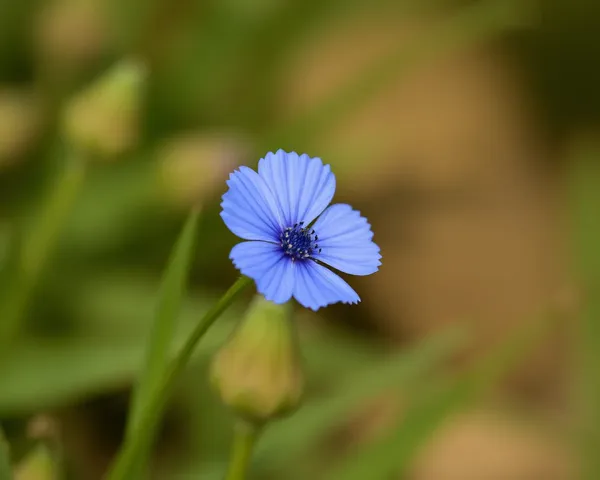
(585, 189)
(163, 329)
(5, 466)
(445, 123)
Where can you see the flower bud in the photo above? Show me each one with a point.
(38, 465)
(195, 165)
(258, 372)
(104, 118)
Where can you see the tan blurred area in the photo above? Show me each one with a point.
(468, 209)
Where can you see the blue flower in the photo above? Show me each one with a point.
(293, 235)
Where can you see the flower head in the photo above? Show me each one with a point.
(293, 236)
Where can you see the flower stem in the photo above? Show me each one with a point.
(141, 437)
(243, 444)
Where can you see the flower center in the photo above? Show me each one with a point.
(299, 242)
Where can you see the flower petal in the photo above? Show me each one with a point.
(249, 208)
(268, 266)
(316, 286)
(302, 186)
(345, 240)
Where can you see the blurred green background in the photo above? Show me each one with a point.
(466, 131)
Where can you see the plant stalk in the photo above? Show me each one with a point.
(135, 444)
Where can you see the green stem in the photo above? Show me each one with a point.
(125, 462)
(37, 246)
(243, 444)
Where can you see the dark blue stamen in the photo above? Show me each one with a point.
(298, 242)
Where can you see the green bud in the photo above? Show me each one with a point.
(104, 118)
(258, 372)
(38, 465)
(193, 165)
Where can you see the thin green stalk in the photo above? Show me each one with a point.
(126, 460)
(169, 303)
(244, 440)
(37, 246)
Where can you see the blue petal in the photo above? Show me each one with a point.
(345, 240)
(268, 266)
(302, 186)
(316, 286)
(249, 208)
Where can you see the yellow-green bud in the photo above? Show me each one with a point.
(104, 118)
(258, 372)
(38, 465)
(194, 165)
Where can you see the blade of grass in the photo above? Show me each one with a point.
(44, 375)
(392, 455)
(124, 465)
(167, 312)
(49, 374)
(585, 206)
(315, 419)
(36, 247)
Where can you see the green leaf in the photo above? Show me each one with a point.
(317, 418)
(107, 353)
(127, 461)
(392, 455)
(37, 245)
(163, 329)
(585, 205)
(51, 373)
